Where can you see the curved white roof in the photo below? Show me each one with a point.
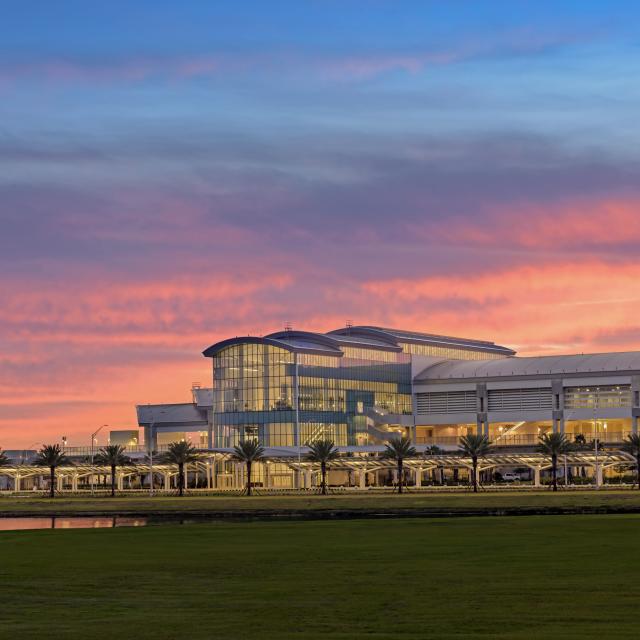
(542, 365)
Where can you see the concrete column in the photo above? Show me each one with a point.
(74, 482)
(635, 403)
(151, 438)
(119, 481)
(307, 479)
(536, 476)
(418, 477)
(599, 476)
(267, 478)
(167, 481)
(60, 481)
(363, 479)
(482, 407)
(16, 482)
(185, 476)
(208, 474)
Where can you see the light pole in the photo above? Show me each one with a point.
(93, 441)
(150, 445)
(595, 429)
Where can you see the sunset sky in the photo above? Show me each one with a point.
(175, 173)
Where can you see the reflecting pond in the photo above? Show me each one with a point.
(70, 522)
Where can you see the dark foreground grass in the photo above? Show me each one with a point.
(510, 578)
(378, 502)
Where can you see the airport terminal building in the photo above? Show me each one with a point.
(361, 385)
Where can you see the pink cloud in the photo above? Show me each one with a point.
(538, 308)
(576, 223)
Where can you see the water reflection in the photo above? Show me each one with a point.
(15, 524)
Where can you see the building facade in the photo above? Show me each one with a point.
(292, 387)
(362, 385)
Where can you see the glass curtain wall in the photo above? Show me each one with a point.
(451, 353)
(255, 394)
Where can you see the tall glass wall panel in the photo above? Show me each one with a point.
(256, 387)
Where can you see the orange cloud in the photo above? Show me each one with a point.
(537, 309)
(85, 354)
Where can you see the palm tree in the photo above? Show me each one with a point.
(248, 451)
(632, 445)
(52, 456)
(180, 453)
(553, 445)
(398, 449)
(323, 451)
(4, 459)
(474, 447)
(435, 450)
(113, 456)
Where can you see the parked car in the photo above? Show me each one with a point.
(509, 476)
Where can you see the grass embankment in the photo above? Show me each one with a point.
(316, 505)
(501, 578)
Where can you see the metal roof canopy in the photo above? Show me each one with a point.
(361, 462)
(332, 342)
(28, 470)
(622, 363)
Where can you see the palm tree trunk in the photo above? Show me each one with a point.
(52, 482)
(475, 475)
(323, 468)
(554, 471)
(399, 475)
(248, 478)
(113, 480)
(180, 479)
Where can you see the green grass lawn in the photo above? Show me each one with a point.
(378, 502)
(537, 577)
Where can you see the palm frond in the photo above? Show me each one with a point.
(179, 453)
(322, 451)
(399, 449)
(113, 455)
(51, 455)
(248, 451)
(632, 444)
(553, 444)
(475, 446)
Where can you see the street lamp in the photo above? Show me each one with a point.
(595, 428)
(93, 442)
